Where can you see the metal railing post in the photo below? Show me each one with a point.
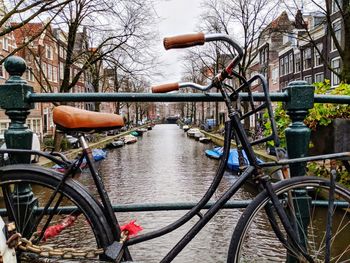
(18, 136)
(300, 100)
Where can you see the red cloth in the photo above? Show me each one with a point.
(132, 228)
(53, 231)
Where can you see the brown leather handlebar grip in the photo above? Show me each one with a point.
(183, 41)
(165, 88)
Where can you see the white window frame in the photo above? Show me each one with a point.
(319, 74)
(307, 77)
(49, 52)
(297, 55)
(335, 81)
(5, 43)
(61, 70)
(317, 56)
(309, 58)
(337, 33)
(334, 6)
(290, 63)
(54, 74)
(49, 72)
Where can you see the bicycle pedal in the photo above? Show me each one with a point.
(115, 251)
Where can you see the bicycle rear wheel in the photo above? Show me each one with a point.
(80, 227)
(254, 239)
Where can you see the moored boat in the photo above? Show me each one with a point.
(128, 139)
(115, 144)
(215, 153)
(192, 132)
(186, 128)
(204, 140)
(198, 135)
(233, 160)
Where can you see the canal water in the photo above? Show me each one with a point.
(167, 166)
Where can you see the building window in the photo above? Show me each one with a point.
(335, 5)
(274, 75)
(62, 52)
(286, 65)
(318, 59)
(44, 69)
(54, 74)
(319, 77)
(5, 43)
(30, 75)
(61, 70)
(335, 64)
(282, 67)
(308, 79)
(297, 62)
(264, 55)
(49, 72)
(307, 58)
(290, 63)
(337, 32)
(49, 52)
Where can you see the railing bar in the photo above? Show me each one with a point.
(133, 97)
(174, 206)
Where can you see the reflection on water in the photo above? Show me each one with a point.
(166, 166)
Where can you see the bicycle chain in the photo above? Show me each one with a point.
(64, 253)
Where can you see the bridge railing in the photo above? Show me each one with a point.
(17, 98)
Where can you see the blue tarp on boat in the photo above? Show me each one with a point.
(215, 153)
(232, 163)
(99, 154)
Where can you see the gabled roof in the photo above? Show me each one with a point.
(27, 30)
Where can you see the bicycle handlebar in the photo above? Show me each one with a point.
(184, 41)
(165, 88)
(189, 40)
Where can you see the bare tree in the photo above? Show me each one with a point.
(244, 20)
(26, 11)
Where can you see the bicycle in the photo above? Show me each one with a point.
(282, 203)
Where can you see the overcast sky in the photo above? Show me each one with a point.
(176, 17)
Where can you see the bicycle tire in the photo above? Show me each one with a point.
(254, 241)
(91, 221)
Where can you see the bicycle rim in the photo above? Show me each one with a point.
(82, 228)
(254, 239)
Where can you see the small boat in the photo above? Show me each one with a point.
(135, 133)
(192, 132)
(198, 135)
(204, 140)
(215, 153)
(99, 154)
(115, 144)
(186, 128)
(233, 161)
(149, 127)
(128, 139)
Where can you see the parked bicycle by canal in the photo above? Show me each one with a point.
(45, 206)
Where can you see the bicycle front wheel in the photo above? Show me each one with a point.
(305, 201)
(78, 228)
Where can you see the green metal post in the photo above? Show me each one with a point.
(301, 99)
(18, 136)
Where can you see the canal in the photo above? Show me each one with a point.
(167, 166)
